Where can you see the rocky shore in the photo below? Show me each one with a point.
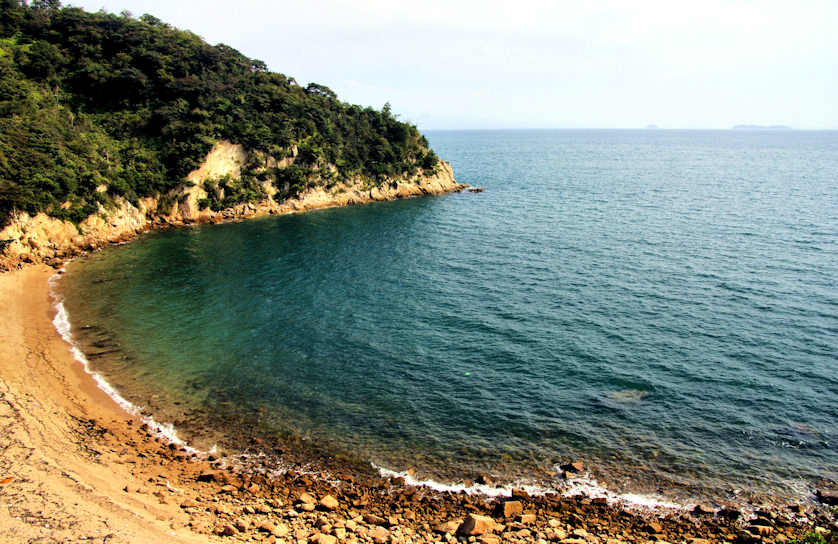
(44, 239)
(74, 468)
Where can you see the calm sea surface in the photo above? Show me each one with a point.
(661, 304)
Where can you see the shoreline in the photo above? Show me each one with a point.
(104, 473)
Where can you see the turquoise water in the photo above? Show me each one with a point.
(662, 304)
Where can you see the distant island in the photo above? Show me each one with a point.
(653, 126)
(761, 127)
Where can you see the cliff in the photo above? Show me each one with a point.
(44, 239)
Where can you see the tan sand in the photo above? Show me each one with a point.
(60, 491)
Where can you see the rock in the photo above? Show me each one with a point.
(520, 494)
(266, 526)
(508, 509)
(281, 530)
(488, 539)
(761, 530)
(210, 476)
(475, 525)
(526, 518)
(329, 503)
(828, 496)
(654, 527)
(321, 538)
(241, 525)
(380, 535)
(372, 519)
(482, 479)
(556, 534)
(703, 510)
(730, 514)
(305, 498)
(226, 530)
(189, 503)
(307, 507)
(574, 466)
(746, 537)
(449, 527)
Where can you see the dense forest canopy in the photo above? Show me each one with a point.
(97, 105)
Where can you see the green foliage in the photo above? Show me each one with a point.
(815, 537)
(226, 192)
(92, 99)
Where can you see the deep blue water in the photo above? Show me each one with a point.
(662, 304)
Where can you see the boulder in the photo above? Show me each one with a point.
(703, 510)
(226, 530)
(329, 503)
(828, 496)
(508, 509)
(372, 519)
(210, 476)
(475, 525)
(321, 538)
(305, 498)
(380, 535)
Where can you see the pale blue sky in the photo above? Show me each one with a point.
(527, 64)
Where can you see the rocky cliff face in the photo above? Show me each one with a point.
(41, 238)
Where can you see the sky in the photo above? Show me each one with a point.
(463, 64)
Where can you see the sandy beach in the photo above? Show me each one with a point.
(74, 467)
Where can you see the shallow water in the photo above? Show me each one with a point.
(662, 304)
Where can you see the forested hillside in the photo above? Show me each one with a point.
(96, 105)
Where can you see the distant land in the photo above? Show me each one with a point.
(761, 127)
(652, 126)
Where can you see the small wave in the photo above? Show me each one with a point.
(584, 485)
(61, 322)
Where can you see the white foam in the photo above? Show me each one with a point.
(61, 322)
(585, 486)
(590, 487)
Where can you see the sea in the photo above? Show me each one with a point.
(661, 305)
